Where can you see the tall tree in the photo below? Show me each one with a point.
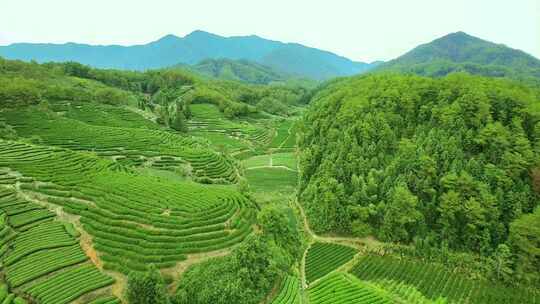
(146, 288)
(524, 240)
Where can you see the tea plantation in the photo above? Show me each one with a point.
(166, 187)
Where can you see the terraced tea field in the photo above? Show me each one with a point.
(435, 281)
(42, 257)
(323, 258)
(209, 122)
(342, 288)
(69, 285)
(134, 219)
(9, 298)
(127, 146)
(99, 114)
(289, 292)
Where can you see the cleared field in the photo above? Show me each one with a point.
(282, 133)
(342, 288)
(135, 219)
(290, 142)
(219, 140)
(323, 258)
(257, 161)
(285, 159)
(285, 135)
(435, 281)
(277, 159)
(127, 146)
(271, 179)
(289, 292)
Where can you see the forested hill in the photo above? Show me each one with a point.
(462, 52)
(453, 162)
(240, 70)
(191, 49)
(167, 92)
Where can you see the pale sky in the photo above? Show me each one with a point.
(360, 30)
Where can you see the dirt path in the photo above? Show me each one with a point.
(147, 115)
(304, 297)
(352, 241)
(286, 138)
(358, 243)
(303, 268)
(304, 219)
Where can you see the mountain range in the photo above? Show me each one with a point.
(257, 60)
(290, 58)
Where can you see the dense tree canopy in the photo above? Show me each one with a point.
(401, 157)
(30, 83)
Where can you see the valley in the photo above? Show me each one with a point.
(225, 180)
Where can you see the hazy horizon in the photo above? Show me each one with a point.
(366, 32)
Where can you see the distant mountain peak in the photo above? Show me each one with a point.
(200, 34)
(459, 34)
(460, 51)
(169, 37)
(458, 38)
